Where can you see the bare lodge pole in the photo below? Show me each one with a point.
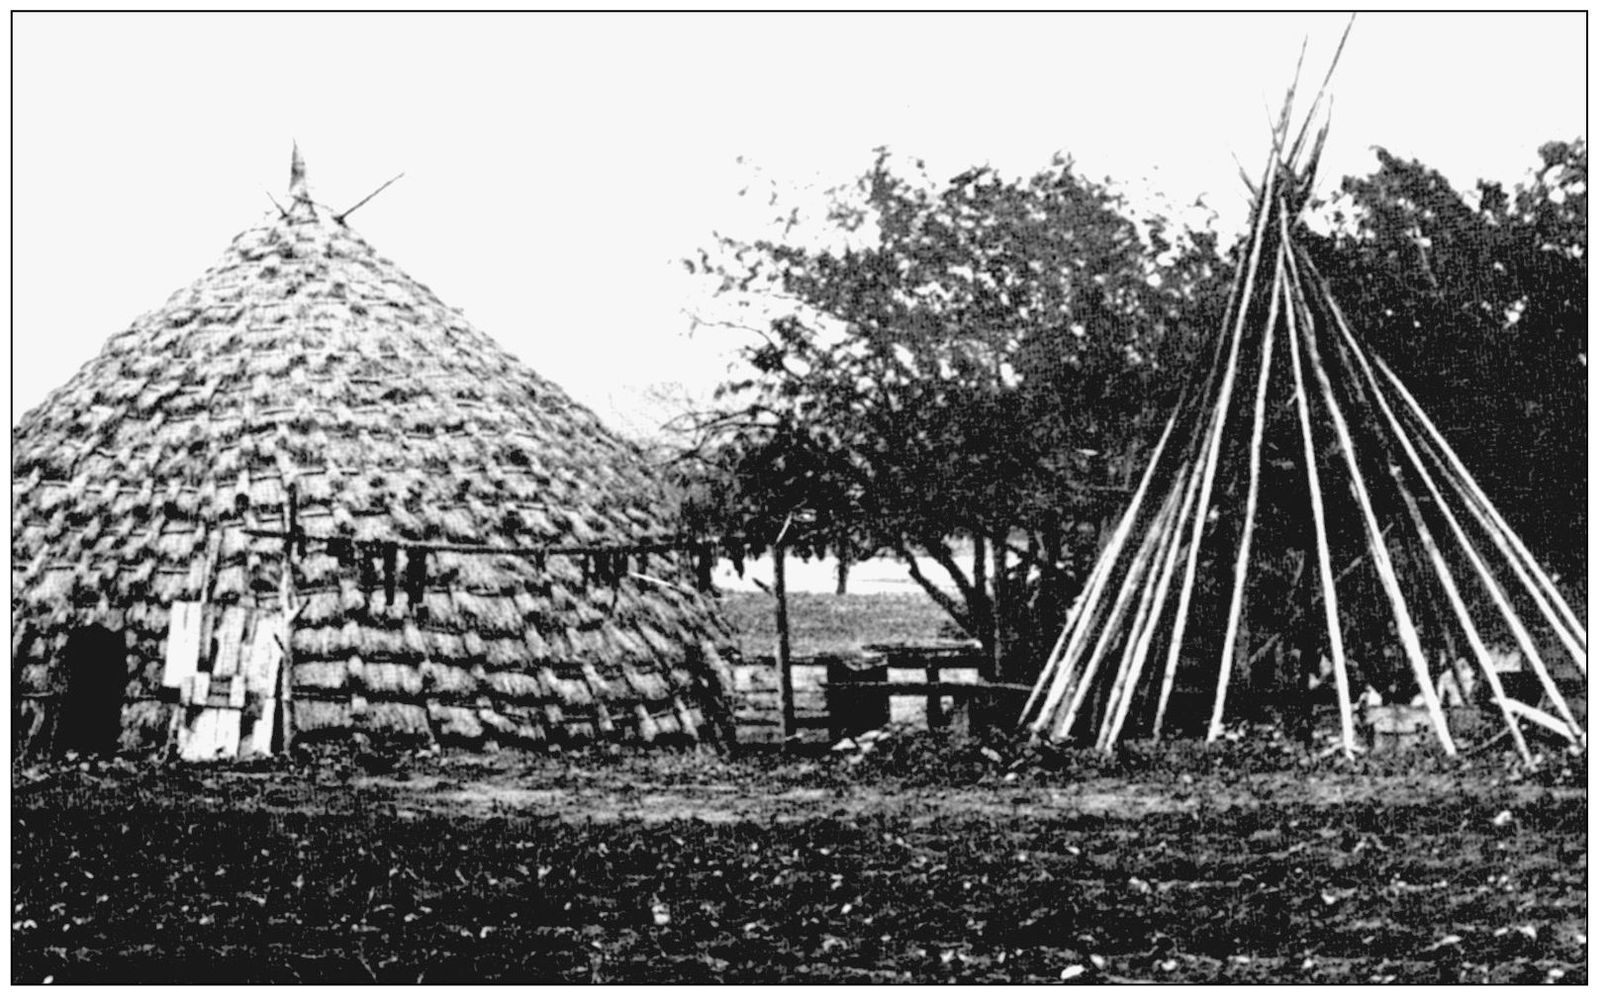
(1324, 556)
(1240, 574)
(1168, 679)
(783, 645)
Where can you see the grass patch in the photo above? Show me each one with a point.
(832, 623)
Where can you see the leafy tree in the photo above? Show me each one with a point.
(1479, 304)
(982, 360)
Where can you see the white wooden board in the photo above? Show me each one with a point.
(183, 643)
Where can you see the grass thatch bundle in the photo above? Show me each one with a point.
(305, 358)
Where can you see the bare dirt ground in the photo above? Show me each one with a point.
(921, 861)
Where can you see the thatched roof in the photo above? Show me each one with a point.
(303, 355)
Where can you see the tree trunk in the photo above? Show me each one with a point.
(1049, 613)
(1003, 638)
(842, 565)
(982, 623)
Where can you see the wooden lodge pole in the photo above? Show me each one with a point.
(1240, 574)
(1324, 555)
(1409, 637)
(287, 611)
(1168, 678)
(783, 645)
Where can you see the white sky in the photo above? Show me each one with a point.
(559, 166)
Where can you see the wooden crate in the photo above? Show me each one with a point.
(1398, 728)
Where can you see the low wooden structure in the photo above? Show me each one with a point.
(926, 686)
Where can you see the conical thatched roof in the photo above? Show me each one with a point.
(304, 356)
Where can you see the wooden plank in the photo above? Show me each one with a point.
(230, 638)
(183, 643)
(225, 733)
(261, 673)
(1542, 719)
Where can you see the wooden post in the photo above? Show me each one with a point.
(1001, 620)
(287, 586)
(783, 645)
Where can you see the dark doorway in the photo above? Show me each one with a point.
(97, 673)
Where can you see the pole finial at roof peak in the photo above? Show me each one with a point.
(298, 174)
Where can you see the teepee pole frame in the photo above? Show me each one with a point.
(1324, 554)
(1410, 640)
(1240, 571)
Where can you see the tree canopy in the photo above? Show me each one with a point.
(982, 359)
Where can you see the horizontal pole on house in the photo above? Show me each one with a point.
(651, 546)
(927, 689)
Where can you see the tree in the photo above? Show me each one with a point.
(1480, 304)
(981, 360)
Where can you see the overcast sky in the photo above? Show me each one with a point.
(559, 166)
